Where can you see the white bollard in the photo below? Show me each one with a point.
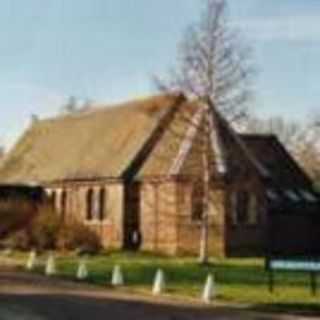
(209, 291)
(51, 266)
(31, 260)
(159, 283)
(82, 272)
(117, 277)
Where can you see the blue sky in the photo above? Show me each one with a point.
(107, 50)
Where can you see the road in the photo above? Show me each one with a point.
(30, 297)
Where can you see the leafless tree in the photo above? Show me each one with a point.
(75, 105)
(289, 132)
(2, 152)
(214, 68)
(70, 106)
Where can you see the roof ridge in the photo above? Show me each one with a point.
(258, 135)
(104, 107)
(241, 143)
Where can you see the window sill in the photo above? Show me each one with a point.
(97, 222)
(245, 225)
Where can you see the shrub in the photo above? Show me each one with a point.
(76, 236)
(20, 240)
(44, 229)
(14, 214)
(40, 232)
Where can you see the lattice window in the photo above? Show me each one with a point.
(63, 205)
(102, 204)
(197, 198)
(253, 209)
(89, 205)
(242, 207)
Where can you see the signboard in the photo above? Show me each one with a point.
(310, 266)
(291, 265)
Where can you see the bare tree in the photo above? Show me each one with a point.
(289, 132)
(2, 152)
(75, 105)
(70, 106)
(213, 68)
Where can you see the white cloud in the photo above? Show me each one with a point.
(286, 28)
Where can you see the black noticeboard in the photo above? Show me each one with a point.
(311, 266)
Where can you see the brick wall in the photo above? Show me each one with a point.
(246, 238)
(158, 217)
(110, 229)
(166, 222)
(189, 231)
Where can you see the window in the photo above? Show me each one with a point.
(53, 199)
(242, 207)
(89, 201)
(197, 205)
(102, 204)
(234, 208)
(48, 192)
(63, 204)
(253, 209)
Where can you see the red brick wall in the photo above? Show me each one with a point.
(166, 222)
(158, 217)
(189, 231)
(110, 229)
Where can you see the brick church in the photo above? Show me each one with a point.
(131, 172)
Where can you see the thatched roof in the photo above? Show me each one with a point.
(134, 140)
(94, 144)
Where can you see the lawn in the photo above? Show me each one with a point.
(238, 280)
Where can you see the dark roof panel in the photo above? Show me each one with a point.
(284, 170)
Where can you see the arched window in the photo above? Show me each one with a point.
(197, 205)
(253, 214)
(89, 202)
(242, 207)
(102, 204)
(63, 204)
(53, 199)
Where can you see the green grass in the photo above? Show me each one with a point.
(238, 280)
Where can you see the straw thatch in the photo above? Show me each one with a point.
(100, 143)
(136, 139)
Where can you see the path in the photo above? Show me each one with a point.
(30, 297)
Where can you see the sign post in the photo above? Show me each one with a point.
(313, 283)
(271, 281)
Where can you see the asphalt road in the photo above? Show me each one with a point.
(26, 297)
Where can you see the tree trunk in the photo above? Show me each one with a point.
(204, 234)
